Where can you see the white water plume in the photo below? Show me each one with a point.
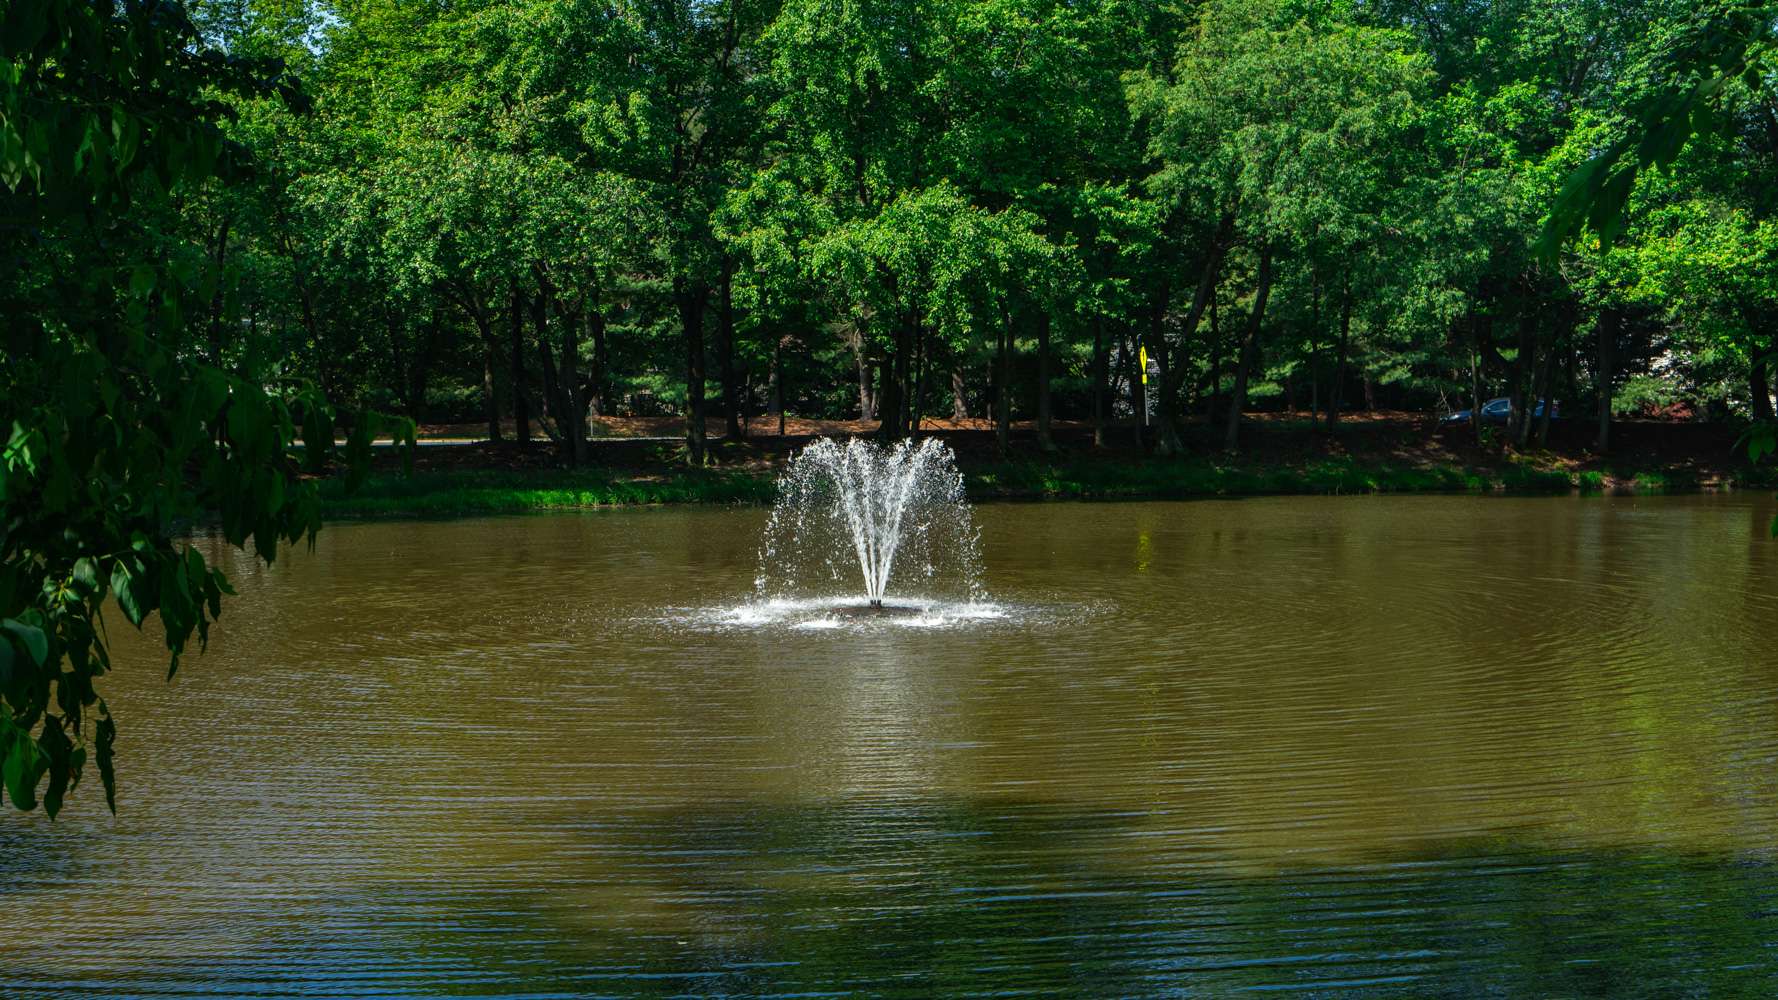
(879, 515)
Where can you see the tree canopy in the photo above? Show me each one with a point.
(529, 215)
(127, 414)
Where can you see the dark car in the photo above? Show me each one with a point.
(1498, 411)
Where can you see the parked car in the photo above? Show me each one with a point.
(1499, 411)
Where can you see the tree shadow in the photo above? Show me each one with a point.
(1028, 898)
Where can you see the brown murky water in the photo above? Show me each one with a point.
(1431, 746)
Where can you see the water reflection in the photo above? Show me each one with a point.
(963, 901)
(1409, 746)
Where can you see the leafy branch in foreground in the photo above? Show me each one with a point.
(116, 439)
(1683, 85)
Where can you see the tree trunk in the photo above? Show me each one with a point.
(312, 324)
(1099, 374)
(1157, 397)
(1162, 359)
(1475, 387)
(1129, 362)
(1521, 373)
(1002, 393)
(1521, 426)
(490, 405)
(1044, 441)
(959, 401)
(549, 402)
(521, 410)
(1607, 334)
(918, 378)
(419, 368)
(1314, 349)
(725, 322)
(1544, 375)
(1479, 325)
(1540, 370)
(1759, 387)
(1166, 423)
(1215, 392)
(692, 298)
(888, 401)
(598, 404)
(892, 394)
(574, 396)
(1570, 361)
(778, 380)
(398, 362)
(1174, 369)
(550, 399)
(219, 260)
(570, 406)
(992, 397)
(1244, 356)
(887, 404)
(1544, 399)
(1335, 387)
(867, 407)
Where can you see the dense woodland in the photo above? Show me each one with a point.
(544, 210)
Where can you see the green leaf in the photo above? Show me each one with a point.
(22, 768)
(317, 435)
(35, 643)
(124, 584)
(55, 742)
(104, 737)
(86, 574)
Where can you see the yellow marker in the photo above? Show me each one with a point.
(1144, 356)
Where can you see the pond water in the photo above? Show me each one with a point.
(1416, 746)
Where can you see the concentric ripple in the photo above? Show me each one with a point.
(851, 614)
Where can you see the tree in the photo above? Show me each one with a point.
(931, 264)
(1680, 87)
(1269, 135)
(118, 437)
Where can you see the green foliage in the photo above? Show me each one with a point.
(543, 213)
(550, 208)
(1693, 69)
(116, 439)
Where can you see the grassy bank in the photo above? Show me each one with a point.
(1200, 477)
(496, 491)
(493, 491)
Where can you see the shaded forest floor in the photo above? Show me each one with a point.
(640, 460)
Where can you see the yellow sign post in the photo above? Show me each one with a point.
(1142, 355)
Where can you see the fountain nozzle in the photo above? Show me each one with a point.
(877, 603)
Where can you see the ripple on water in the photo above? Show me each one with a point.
(1385, 746)
(846, 614)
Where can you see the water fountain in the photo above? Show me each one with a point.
(857, 513)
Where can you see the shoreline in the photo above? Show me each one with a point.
(471, 491)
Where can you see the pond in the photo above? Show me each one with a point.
(1406, 745)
